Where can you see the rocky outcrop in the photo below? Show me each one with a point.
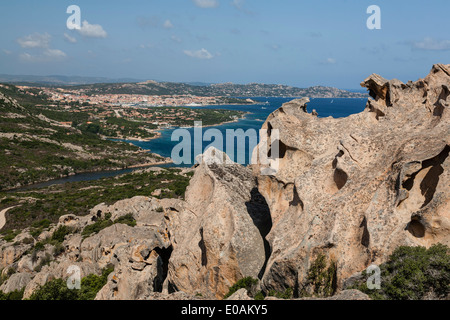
(350, 190)
(356, 188)
(219, 238)
(17, 281)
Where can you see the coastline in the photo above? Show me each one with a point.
(150, 164)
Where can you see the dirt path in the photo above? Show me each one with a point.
(2, 216)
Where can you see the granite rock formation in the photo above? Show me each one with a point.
(350, 190)
(356, 188)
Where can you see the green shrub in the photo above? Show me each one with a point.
(321, 278)
(10, 235)
(247, 283)
(259, 296)
(14, 295)
(58, 249)
(127, 219)
(286, 294)
(96, 227)
(54, 290)
(28, 240)
(60, 233)
(411, 273)
(92, 284)
(57, 289)
(45, 260)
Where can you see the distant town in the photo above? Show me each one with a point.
(127, 116)
(65, 95)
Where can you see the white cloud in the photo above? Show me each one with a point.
(432, 45)
(35, 40)
(274, 47)
(206, 3)
(199, 54)
(176, 39)
(54, 54)
(7, 52)
(168, 24)
(146, 46)
(328, 61)
(69, 38)
(92, 30)
(238, 4)
(42, 51)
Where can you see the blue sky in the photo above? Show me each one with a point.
(294, 42)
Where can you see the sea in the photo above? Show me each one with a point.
(256, 116)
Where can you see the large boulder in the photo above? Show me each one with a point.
(354, 189)
(17, 281)
(219, 237)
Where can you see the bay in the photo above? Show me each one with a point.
(258, 113)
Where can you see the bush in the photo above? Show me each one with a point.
(259, 296)
(14, 295)
(321, 278)
(92, 284)
(287, 294)
(127, 219)
(57, 289)
(247, 283)
(46, 259)
(96, 227)
(60, 233)
(412, 273)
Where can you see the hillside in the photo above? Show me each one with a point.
(225, 89)
(37, 147)
(93, 85)
(342, 195)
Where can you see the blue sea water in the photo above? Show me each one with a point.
(258, 113)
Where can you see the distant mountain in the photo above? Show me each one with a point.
(60, 80)
(223, 89)
(101, 85)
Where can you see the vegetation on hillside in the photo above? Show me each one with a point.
(57, 289)
(39, 208)
(35, 149)
(412, 273)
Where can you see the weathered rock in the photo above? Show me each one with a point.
(17, 281)
(356, 188)
(241, 294)
(179, 295)
(343, 295)
(10, 253)
(139, 255)
(216, 239)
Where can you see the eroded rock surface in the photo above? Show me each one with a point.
(220, 237)
(356, 188)
(350, 189)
